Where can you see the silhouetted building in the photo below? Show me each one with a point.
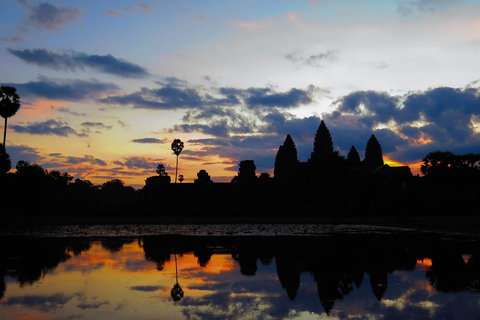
(203, 178)
(286, 161)
(373, 154)
(246, 171)
(353, 158)
(323, 144)
(325, 164)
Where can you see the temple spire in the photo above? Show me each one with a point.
(373, 153)
(323, 144)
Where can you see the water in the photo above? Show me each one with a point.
(338, 273)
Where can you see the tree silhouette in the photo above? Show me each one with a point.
(5, 163)
(161, 170)
(177, 147)
(9, 105)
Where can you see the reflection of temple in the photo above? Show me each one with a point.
(338, 263)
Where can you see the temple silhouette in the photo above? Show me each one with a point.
(327, 184)
(326, 164)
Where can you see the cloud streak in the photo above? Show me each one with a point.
(73, 61)
(49, 127)
(63, 89)
(171, 97)
(43, 17)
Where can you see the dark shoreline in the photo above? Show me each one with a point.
(447, 224)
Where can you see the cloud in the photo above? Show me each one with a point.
(264, 97)
(95, 125)
(46, 17)
(407, 7)
(147, 288)
(72, 61)
(86, 159)
(43, 303)
(63, 89)
(73, 113)
(137, 163)
(48, 127)
(21, 152)
(412, 125)
(314, 60)
(42, 17)
(140, 8)
(172, 97)
(149, 140)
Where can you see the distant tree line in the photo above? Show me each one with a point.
(450, 182)
(33, 191)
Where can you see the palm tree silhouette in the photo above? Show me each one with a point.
(9, 105)
(176, 292)
(177, 147)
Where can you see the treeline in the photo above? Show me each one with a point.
(34, 191)
(450, 185)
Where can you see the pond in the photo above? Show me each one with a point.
(337, 273)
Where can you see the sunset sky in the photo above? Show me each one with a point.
(106, 86)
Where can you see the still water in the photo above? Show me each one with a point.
(371, 275)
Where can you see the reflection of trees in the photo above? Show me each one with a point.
(338, 263)
(114, 244)
(177, 291)
(30, 259)
(450, 273)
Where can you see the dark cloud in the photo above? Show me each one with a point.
(84, 305)
(44, 303)
(412, 125)
(47, 17)
(95, 125)
(48, 127)
(62, 89)
(147, 288)
(42, 17)
(137, 163)
(73, 61)
(149, 140)
(265, 97)
(73, 113)
(86, 159)
(171, 97)
(21, 152)
(314, 60)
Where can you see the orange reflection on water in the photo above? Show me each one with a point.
(425, 262)
(188, 262)
(97, 256)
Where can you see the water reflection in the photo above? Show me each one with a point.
(339, 276)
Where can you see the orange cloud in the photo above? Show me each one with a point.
(42, 108)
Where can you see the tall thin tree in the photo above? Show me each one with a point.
(9, 105)
(177, 147)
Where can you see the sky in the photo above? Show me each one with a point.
(105, 86)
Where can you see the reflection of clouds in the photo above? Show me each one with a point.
(131, 259)
(43, 303)
(147, 288)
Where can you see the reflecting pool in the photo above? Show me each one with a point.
(387, 275)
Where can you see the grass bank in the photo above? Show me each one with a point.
(463, 224)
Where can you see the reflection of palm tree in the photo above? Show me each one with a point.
(177, 292)
(177, 147)
(9, 105)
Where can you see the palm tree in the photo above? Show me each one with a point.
(177, 147)
(9, 105)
